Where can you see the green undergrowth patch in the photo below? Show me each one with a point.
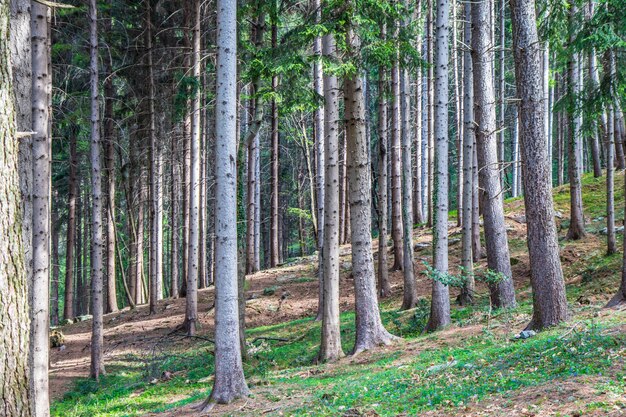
(453, 376)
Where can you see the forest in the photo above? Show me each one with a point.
(312, 208)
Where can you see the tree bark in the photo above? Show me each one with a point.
(274, 161)
(440, 303)
(320, 160)
(396, 161)
(503, 293)
(230, 382)
(370, 331)
(14, 315)
(191, 306)
(549, 302)
(577, 220)
(41, 158)
(330, 347)
(97, 239)
(384, 289)
(467, 292)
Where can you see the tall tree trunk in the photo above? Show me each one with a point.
(503, 293)
(14, 316)
(467, 292)
(431, 110)
(595, 143)
(191, 310)
(40, 280)
(330, 348)
(109, 140)
(97, 239)
(457, 118)
(230, 382)
(384, 289)
(274, 161)
(440, 303)
(21, 60)
(370, 331)
(175, 214)
(577, 221)
(611, 246)
(549, 302)
(409, 299)
(396, 161)
(54, 285)
(320, 159)
(515, 172)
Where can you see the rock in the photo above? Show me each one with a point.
(84, 317)
(525, 334)
(521, 219)
(166, 376)
(346, 266)
(419, 246)
(558, 214)
(454, 241)
(67, 321)
(618, 229)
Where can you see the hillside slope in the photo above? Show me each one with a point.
(474, 368)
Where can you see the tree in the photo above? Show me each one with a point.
(330, 348)
(577, 220)
(370, 331)
(440, 303)
(610, 155)
(97, 239)
(40, 279)
(320, 158)
(384, 289)
(549, 302)
(502, 293)
(275, 155)
(467, 293)
(191, 310)
(230, 382)
(396, 161)
(14, 316)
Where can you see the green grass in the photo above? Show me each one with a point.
(389, 383)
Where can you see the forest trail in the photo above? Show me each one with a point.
(282, 301)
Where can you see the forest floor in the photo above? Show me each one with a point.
(473, 368)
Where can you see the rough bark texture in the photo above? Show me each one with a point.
(549, 302)
(14, 317)
(396, 165)
(320, 160)
(370, 331)
(410, 298)
(330, 347)
(40, 279)
(467, 292)
(274, 237)
(440, 303)
(230, 382)
(498, 260)
(191, 309)
(156, 182)
(97, 238)
(577, 220)
(384, 289)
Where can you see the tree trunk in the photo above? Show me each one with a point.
(330, 348)
(175, 214)
(396, 163)
(320, 160)
(274, 161)
(14, 316)
(191, 310)
(549, 302)
(40, 280)
(410, 298)
(230, 382)
(467, 292)
(431, 111)
(610, 155)
(440, 304)
(109, 141)
(97, 238)
(577, 220)
(384, 289)
(370, 331)
(503, 293)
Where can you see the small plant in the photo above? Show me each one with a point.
(491, 277)
(446, 278)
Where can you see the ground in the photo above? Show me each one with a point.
(473, 368)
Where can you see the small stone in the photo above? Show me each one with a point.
(525, 334)
(419, 246)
